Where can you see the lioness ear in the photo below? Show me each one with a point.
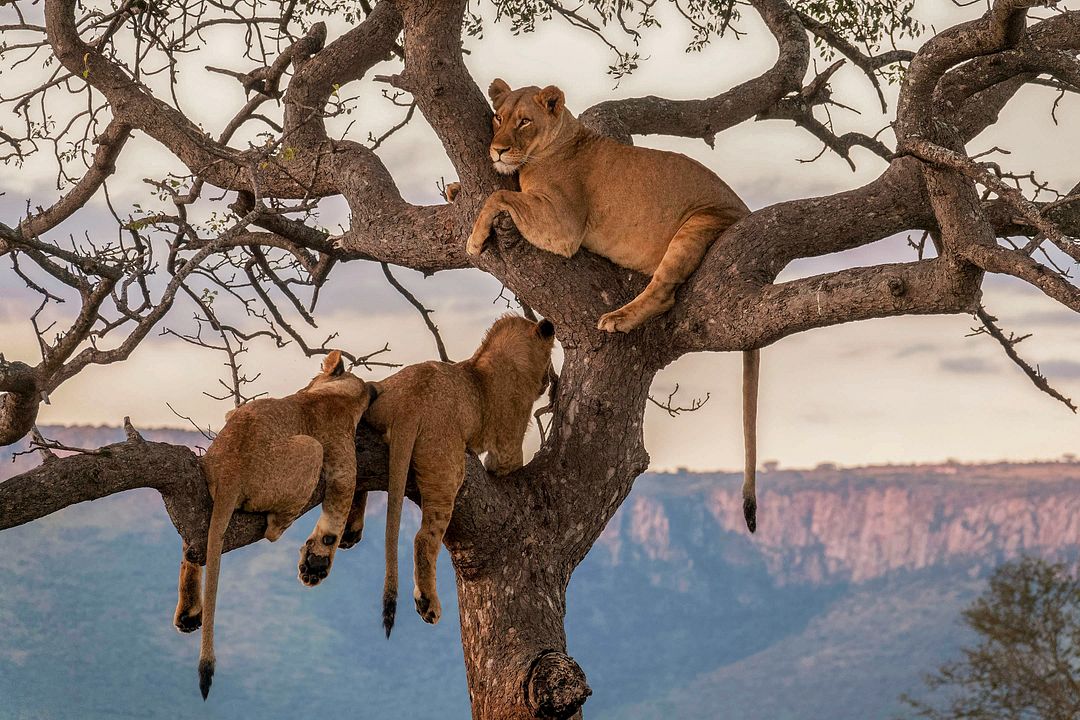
(552, 99)
(545, 329)
(497, 91)
(372, 392)
(333, 365)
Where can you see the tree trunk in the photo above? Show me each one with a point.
(512, 601)
(512, 633)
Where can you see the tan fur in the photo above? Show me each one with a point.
(647, 210)
(431, 413)
(267, 459)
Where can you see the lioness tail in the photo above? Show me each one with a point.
(401, 450)
(219, 522)
(751, 364)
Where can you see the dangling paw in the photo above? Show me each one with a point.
(315, 560)
(427, 606)
(350, 537)
(187, 620)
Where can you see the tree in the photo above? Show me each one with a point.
(1026, 663)
(253, 242)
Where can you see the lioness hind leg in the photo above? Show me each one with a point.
(354, 526)
(682, 257)
(317, 553)
(438, 487)
(188, 615)
(436, 516)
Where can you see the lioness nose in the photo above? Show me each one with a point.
(498, 151)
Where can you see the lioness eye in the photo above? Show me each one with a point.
(524, 122)
(498, 120)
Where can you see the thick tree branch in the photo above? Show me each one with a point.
(705, 118)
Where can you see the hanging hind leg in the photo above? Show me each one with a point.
(438, 481)
(681, 259)
(354, 526)
(188, 615)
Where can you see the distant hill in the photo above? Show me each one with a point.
(848, 592)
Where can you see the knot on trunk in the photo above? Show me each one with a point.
(555, 686)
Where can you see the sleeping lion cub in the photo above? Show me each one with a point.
(647, 210)
(267, 459)
(430, 414)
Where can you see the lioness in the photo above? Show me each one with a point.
(647, 210)
(267, 458)
(431, 413)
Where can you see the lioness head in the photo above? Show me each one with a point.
(525, 123)
(521, 346)
(335, 378)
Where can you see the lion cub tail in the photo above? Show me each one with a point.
(401, 450)
(219, 522)
(751, 365)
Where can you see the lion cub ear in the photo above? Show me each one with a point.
(497, 91)
(551, 99)
(333, 365)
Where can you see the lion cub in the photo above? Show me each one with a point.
(431, 413)
(267, 459)
(647, 210)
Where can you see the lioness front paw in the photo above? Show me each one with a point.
(427, 606)
(315, 561)
(620, 320)
(476, 242)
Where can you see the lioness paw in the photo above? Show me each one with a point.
(618, 321)
(450, 192)
(313, 567)
(187, 621)
(350, 538)
(428, 607)
(476, 242)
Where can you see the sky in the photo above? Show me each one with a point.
(884, 391)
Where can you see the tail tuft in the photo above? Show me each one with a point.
(749, 508)
(206, 677)
(389, 610)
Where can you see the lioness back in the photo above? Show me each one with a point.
(421, 392)
(635, 198)
(243, 447)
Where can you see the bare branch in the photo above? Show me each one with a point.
(1008, 344)
(425, 313)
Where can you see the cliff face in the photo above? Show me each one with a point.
(856, 525)
(814, 526)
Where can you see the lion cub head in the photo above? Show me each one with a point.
(526, 122)
(335, 379)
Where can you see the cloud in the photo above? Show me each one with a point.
(1060, 369)
(916, 349)
(1047, 318)
(968, 365)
